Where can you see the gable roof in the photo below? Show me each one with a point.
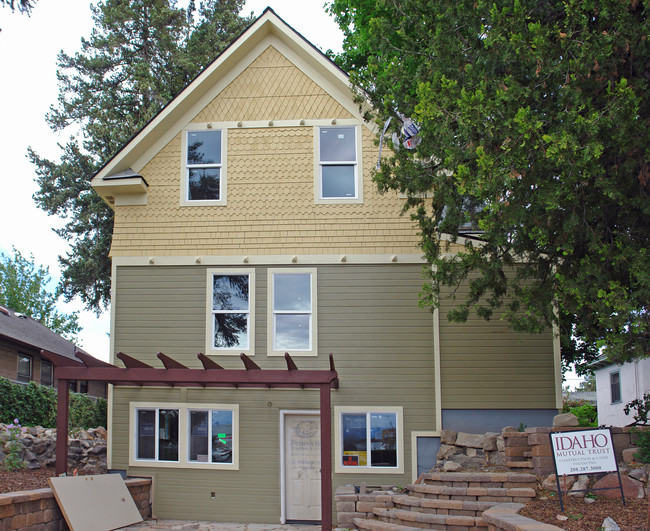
(267, 29)
(28, 332)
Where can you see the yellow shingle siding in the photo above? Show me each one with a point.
(270, 183)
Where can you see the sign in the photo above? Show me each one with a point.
(350, 460)
(583, 452)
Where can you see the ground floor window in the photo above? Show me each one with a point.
(184, 435)
(369, 439)
(24, 372)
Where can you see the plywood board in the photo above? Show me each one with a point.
(95, 503)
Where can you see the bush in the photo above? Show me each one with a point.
(640, 409)
(587, 413)
(35, 405)
(643, 444)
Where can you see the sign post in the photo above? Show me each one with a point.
(584, 452)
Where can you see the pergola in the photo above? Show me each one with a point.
(175, 374)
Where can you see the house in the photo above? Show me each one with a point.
(246, 222)
(618, 385)
(21, 341)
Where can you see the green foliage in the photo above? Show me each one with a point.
(36, 405)
(641, 408)
(23, 288)
(13, 459)
(140, 54)
(534, 137)
(587, 413)
(643, 444)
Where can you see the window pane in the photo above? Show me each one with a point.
(168, 435)
(46, 373)
(204, 147)
(199, 436)
(230, 292)
(221, 436)
(24, 372)
(146, 434)
(355, 447)
(337, 144)
(383, 439)
(615, 380)
(292, 292)
(338, 181)
(204, 184)
(292, 332)
(231, 330)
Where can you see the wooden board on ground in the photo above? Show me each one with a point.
(95, 503)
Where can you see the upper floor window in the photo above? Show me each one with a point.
(46, 373)
(292, 312)
(204, 167)
(24, 372)
(338, 165)
(615, 386)
(230, 315)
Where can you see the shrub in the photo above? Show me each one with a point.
(643, 444)
(642, 408)
(587, 413)
(35, 405)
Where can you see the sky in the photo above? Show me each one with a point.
(28, 51)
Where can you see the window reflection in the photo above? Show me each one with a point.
(231, 311)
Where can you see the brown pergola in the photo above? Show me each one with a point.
(175, 374)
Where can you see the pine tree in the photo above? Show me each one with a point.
(140, 54)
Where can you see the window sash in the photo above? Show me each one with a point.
(367, 451)
(165, 438)
(218, 447)
(192, 167)
(280, 315)
(228, 315)
(615, 386)
(24, 368)
(47, 373)
(326, 159)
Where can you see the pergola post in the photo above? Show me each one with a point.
(326, 458)
(63, 395)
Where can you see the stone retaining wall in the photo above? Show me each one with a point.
(86, 448)
(37, 510)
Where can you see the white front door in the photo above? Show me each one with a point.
(302, 467)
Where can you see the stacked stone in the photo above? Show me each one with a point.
(86, 451)
(351, 504)
(470, 450)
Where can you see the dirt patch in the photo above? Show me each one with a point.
(583, 516)
(26, 479)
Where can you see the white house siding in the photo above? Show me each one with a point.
(635, 381)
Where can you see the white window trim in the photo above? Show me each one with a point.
(209, 322)
(338, 440)
(357, 165)
(270, 329)
(414, 449)
(183, 435)
(223, 174)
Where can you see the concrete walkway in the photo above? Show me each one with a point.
(186, 525)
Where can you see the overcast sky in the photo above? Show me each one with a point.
(28, 50)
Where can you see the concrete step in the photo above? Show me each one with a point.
(430, 521)
(377, 525)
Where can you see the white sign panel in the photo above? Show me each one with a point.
(583, 452)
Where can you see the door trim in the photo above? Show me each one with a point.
(283, 494)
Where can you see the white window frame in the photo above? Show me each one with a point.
(209, 326)
(202, 127)
(358, 169)
(620, 387)
(313, 332)
(338, 439)
(156, 408)
(183, 435)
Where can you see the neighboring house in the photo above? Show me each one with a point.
(616, 386)
(246, 221)
(21, 341)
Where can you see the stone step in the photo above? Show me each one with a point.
(432, 521)
(519, 464)
(378, 525)
(474, 479)
(473, 493)
(435, 505)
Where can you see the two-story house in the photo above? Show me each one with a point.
(246, 221)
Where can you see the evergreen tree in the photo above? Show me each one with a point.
(533, 144)
(24, 289)
(140, 54)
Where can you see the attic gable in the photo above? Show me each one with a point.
(271, 45)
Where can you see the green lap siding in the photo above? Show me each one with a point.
(368, 318)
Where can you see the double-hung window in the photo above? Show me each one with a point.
(292, 311)
(338, 165)
(369, 440)
(46, 372)
(204, 168)
(615, 386)
(230, 311)
(24, 372)
(184, 435)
